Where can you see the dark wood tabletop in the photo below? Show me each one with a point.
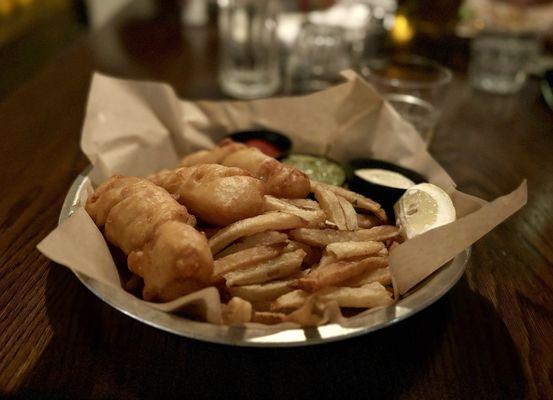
(490, 337)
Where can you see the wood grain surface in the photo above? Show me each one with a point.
(490, 337)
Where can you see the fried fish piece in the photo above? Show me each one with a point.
(130, 209)
(216, 194)
(213, 156)
(281, 180)
(177, 261)
(155, 233)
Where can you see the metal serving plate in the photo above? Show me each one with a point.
(419, 298)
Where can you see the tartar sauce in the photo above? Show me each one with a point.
(385, 178)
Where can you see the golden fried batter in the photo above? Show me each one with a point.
(213, 156)
(175, 262)
(154, 231)
(214, 193)
(280, 180)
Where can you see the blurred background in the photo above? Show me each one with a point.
(289, 46)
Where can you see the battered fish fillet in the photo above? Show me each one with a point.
(177, 261)
(213, 156)
(281, 180)
(216, 194)
(155, 233)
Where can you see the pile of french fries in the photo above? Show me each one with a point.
(332, 249)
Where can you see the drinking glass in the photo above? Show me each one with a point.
(248, 54)
(414, 86)
(317, 58)
(499, 60)
(362, 22)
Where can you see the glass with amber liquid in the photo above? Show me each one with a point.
(414, 86)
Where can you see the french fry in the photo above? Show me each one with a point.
(313, 254)
(134, 283)
(259, 239)
(327, 259)
(337, 273)
(209, 232)
(380, 275)
(262, 292)
(237, 312)
(261, 305)
(342, 250)
(290, 301)
(356, 199)
(394, 244)
(273, 220)
(367, 296)
(264, 238)
(324, 237)
(314, 312)
(245, 258)
(331, 206)
(367, 221)
(307, 204)
(314, 218)
(268, 317)
(349, 214)
(280, 267)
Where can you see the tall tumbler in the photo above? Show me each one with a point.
(499, 60)
(248, 55)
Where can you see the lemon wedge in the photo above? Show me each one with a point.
(423, 207)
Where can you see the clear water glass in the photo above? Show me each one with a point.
(249, 48)
(499, 60)
(415, 86)
(318, 56)
(420, 113)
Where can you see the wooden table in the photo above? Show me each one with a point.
(491, 337)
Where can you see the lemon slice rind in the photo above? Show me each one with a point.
(423, 207)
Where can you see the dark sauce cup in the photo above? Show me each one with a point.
(386, 196)
(277, 144)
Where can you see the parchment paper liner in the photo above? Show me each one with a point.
(136, 128)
